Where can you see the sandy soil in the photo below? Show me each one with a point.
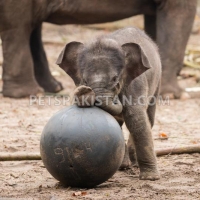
(21, 125)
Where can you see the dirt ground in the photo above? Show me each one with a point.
(21, 125)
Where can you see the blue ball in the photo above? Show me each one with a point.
(82, 147)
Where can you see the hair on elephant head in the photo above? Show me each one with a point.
(104, 66)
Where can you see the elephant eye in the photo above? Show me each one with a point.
(115, 78)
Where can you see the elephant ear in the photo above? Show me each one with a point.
(67, 60)
(136, 61)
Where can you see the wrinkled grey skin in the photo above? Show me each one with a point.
(25, 67)
(124, 63)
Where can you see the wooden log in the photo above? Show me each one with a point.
(19, 156)
(159, 152)
(179, 150)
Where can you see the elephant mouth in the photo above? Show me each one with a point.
(109, 103)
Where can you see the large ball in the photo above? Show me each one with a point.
(82, 147)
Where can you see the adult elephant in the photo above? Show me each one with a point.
(25, 67)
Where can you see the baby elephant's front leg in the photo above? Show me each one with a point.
(137, 122)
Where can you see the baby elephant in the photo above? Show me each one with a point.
(122, 72)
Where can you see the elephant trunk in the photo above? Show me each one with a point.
(102, 98)
(110, 105)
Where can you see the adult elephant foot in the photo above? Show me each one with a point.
(49, 84)
(20, 90)
(171, 89)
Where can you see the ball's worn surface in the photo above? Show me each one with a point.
(82, 147)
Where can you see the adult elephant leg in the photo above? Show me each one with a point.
(41, 68)
(137, 122)
(174, 24)
(18, 73)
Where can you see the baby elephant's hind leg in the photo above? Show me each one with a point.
(131, 151)
(126, 161)
(130, 155)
